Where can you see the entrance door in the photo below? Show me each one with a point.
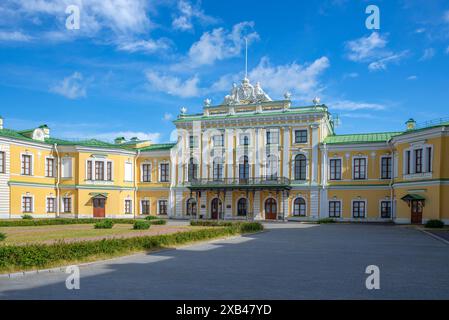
(417, 209)
(270, 209)
(99, 207)
(215, 208)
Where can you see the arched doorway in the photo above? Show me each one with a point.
(215, 208)
(242, 207)
(270, 209)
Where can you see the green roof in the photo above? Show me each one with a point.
(360, 138)
(158, 147)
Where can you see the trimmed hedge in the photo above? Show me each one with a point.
(151, 218)
(45, 255)
(434, 224)
(141, 225)
(27, 217)
(212, 223)
(2, 236)
(104, 224)
(326, 220)
(61, 221)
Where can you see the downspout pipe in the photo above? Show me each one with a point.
(135, 184)
(393, 207)
(57, 180)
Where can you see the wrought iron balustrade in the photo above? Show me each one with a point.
(264, 181)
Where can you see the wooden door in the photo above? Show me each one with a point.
(417, 210)
(215, 208)
(270, 209)
(99, 207)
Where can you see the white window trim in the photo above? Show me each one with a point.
(237, 205)
(158, 209)
(141, 206)
(277, 163)
(71, 204)
(241, 137)
(222, 168)
(31, 164)
(124, 206)
(412, 149)
(293, 206)
(46, 204)
(341, 208)
(71, 167)
(54, 166)
(300, 129)
(132, 171)
(380, 167)
(250, 173)
(146, 162)
(160, 171)
(32, 203)
(276, 131)
(380, 208)
(307, 165)
(352, 208)
(366, 167)
(329, 168)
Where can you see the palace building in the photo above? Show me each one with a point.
(247, 158)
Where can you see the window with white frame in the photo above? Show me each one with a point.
(66, 170)
(109, 171)
(429, 159)
(218, 140)
(27, 162)
(164, 172)
(300, 136)
(299, 207)
(2, 162)
(27, 204)
(129, 172)
(50, 167)
(192, 170)
(408, 162)
(385, 168)
(334, 209)
(67, 205)
(272, 167)
(358, 209)
(128, 206)
(163, 207)
(385, 209)
(418, 160)
(146, 172)
(99, 170)
(272, 137)
(300, 166)
(193, 141)
(51, 205)
(217, 169)
(244, 139)
(145, 207)
(335, 169)
(359, 168)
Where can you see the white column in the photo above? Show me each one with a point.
(323, 212)
(179, 204)
(314, 203)
(256, 154)
(229, 136)
(314, 160)
(203, 202)
(286, 148)
(257, 215)
(228, 205)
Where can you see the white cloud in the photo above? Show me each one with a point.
(366, 48)
(412, 77)
(354, 105)
(147, 46)
(446, 16)
(173, 85)
(15, 36)
(71, 87)
(220, 44)
(299, 79)
(187, 13)
(110, 136)
(167, 117)
(428, 54)
(384, 62)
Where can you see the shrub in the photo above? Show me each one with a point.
(151, 218)
(44, 255)
(56, 221)
(104, 224)
(434, 224)
(27, 217)
(2, 236)
(212, 223)
(326, 220)
(158, 222)
(141, 225)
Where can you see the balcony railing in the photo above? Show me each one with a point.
(238, 182)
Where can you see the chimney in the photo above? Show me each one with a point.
(1, 123)
(46, 131)
(410, 124)
(119, 140)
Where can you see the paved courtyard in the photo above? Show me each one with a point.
(288, 261)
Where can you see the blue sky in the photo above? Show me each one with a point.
(133, 64)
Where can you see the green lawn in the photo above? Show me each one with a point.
(77, 232)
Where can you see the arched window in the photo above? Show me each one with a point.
(218, 169)
(300, 167)
(192, 170)
(244, 168)
(299, 207)
(191, 207)
(242, 207)
(272, 167)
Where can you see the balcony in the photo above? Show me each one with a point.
(277, 183)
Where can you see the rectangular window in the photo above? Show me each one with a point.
(51, 205)
(300, 136)
(67, 203)
(146, 172)
(66, 167)
(272, 137)
(385, 209)
(164, 172)
(335, 169)
(218, 140)
(193, 142)
(129, 171)
(145, 206)
(2, 162)
(334, 209)
(359, 168)
(27, 204)
(109, 171)
(429, 159)
(244, 140)
(386, 168)
(26, 165)
(407, 162)
(50, 167)
(99, 170)
(163, 205)
(418, 161)
(358, 209)
(89, 170)
(128, 207)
